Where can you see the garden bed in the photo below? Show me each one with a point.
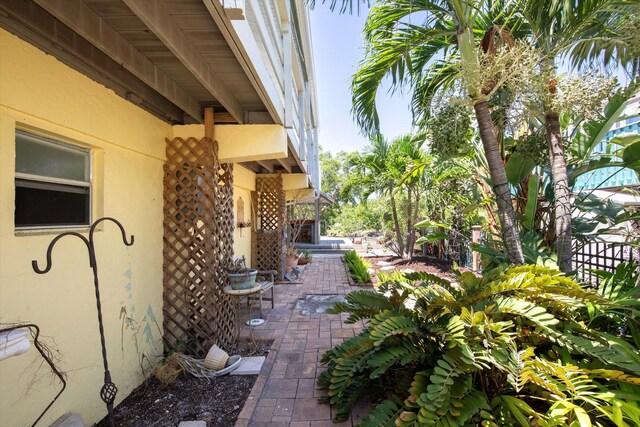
(416, 264)
(216, 401)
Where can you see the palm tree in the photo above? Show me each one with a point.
(585, 31)
(381, 169)
(422, 56)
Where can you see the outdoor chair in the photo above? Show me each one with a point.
(267, 280)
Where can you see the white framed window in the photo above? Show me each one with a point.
(52, 183)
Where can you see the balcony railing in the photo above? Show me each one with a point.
(276, 29)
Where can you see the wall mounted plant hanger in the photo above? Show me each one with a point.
(109, 389)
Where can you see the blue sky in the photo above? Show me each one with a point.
(337, 45)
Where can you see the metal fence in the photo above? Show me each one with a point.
(600, 256)
(457, 248)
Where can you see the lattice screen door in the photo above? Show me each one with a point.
(198, 245)
(270, 215)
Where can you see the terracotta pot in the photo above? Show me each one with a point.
(290, 262)
(216, 358)
(304, 261)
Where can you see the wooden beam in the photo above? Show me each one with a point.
(84, 21)
(208, 123)
(158, 20)
(284, 164)
(38, 27)
(267, 166)
(224, 117)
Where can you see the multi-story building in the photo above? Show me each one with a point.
(614, 176)
(190, 122)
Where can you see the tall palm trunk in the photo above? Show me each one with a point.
(506, 213)
(471, 62)
(414, 220)
(408, 247)
(396, 224)
(561, 191)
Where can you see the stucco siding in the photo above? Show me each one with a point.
(42, 95)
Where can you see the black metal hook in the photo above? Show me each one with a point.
(34, 263)
(115, 221)
(109, 389)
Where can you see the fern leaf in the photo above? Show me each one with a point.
(535, 313)
(427, 278)
(615, 375)
(616, 352)
(352, 346)
(520, 410)
(389, 323)
(362, 304)
(383, 415)
(469, 406)
(386, 357)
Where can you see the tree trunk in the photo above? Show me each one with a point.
(396, 225)
(561, 190)
(407, 250)
(506, 213)
(416, 202)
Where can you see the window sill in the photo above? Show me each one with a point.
(51, 230)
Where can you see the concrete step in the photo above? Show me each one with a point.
(328, 245)
(328, 251)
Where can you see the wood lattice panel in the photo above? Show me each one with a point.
(198, 245)
(270, 217)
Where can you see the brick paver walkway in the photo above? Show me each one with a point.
(285, 393)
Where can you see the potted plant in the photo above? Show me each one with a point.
(291, 258)
(305, 258)
(240, 276)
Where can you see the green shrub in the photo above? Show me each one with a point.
(621, 316)
(389, 276)
(508, 349)
(350, 256)
(358, 267)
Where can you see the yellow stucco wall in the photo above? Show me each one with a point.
(244, 182)
(42, 94)
(301, 195)
(242, 143)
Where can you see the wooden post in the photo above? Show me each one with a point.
(208, 123)
(316, 228)
(475, 238)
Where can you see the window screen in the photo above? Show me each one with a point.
(53, 183)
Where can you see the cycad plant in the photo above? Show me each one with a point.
(509, 349)
(358, 267)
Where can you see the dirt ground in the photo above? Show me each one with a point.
(417, 264)
(217, 401)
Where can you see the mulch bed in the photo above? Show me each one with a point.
(217, 401)
(417, 264)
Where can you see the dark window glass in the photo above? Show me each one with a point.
(53, 187)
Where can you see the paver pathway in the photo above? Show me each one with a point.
(285, 393)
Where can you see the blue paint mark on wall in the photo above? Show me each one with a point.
(148, 335)
(151, 315)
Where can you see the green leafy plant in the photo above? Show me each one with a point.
(512, 348)
(621, 316)
(535, 252)
(358, 267)
(389, 276)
